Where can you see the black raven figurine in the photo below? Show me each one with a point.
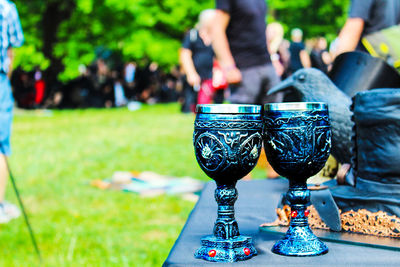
(312, 85)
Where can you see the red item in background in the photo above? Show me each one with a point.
(219, 81)
(40, 88)
(206, 93)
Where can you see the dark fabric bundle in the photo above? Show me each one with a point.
(377, 154)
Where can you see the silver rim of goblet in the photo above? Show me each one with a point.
(293, 106)
(228, 109)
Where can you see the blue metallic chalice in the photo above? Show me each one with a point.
(297, 142)
(227, 141)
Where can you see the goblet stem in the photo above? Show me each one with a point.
(226, 245)
(299, 240)
(298, 195)
(226, 226)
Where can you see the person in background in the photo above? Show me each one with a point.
(240, 46)
(299, 57)
(196, 57)
(152, 84)
(320, 57)
(119, 92)
(278, 48)
(40, 87)
(11, 35)
(23, 88)
(129, 79)
(365, 17)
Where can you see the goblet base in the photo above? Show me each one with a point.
(226, 250)
(300, 241)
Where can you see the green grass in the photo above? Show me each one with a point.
(55, 157)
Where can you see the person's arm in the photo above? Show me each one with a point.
(326, 58)
(14, 30)
(10, 55)
(277, 64)
(284, 53)
(185, 57)
(14, 33)
(221, 47)
(305, 59)
(350, 35)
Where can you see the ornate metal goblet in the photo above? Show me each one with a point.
(297, 141)
(227, 141)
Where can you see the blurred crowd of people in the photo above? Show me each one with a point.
(289, 56)
(230, 54)
(98, 85)
(252, 57)
(221, 53)
(200, 78)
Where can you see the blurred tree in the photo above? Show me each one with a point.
(41, 22)
(314, 17)
(62, 34)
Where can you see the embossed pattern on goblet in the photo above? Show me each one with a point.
(227, 141)
(297, 141)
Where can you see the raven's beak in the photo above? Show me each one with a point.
(287, 83)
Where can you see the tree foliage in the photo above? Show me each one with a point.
(314, 17)
(62, 34)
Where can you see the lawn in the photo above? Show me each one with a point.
(56, 155)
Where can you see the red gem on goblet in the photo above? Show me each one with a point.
(246, 251)
(306, 213)
(293, 214)
(212, 253)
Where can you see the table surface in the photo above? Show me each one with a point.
(256, 204)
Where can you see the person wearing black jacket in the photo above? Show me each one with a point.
(239, 42)
(366, 17)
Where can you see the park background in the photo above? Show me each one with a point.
(62, 34)
(56, 154)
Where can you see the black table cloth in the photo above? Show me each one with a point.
(256, 204)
